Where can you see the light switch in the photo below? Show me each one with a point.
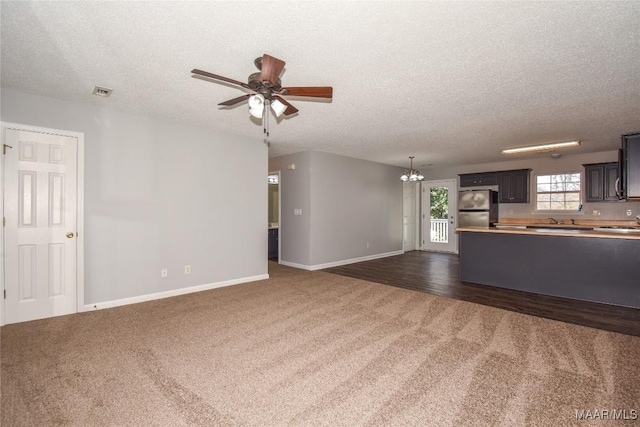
(297, 211)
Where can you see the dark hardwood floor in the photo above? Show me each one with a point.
(439, 274)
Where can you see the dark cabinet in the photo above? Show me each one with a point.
(273, 243)
(631, 165)
(601, 182)
(477, 179)
(513, 186)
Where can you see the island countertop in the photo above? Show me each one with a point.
(597, 266)
(551, 231)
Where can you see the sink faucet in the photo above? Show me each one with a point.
(553, 221)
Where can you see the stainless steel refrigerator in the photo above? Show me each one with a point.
(477, 208)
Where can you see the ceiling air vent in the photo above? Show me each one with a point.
(102, 91)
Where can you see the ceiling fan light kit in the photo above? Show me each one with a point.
(256, 105)
(541, 147)
(266, 88)
(412, 175)
(278, 107)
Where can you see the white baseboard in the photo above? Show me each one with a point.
(172, 293)
(341, 262)
(294, 265)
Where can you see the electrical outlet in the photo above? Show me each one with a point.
(297, 211)
(187, 269)
(164, 272)
(596, 212)
(368, 245)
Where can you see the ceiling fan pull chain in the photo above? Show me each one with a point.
(267, 107)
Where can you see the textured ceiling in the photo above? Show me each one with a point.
(451, 83)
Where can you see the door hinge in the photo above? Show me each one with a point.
(4, 148)
(5, 294)
(4, 221)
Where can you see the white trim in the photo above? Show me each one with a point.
(342, 262)
(2, 141)
(172, 293)
(80, 206)
(417, 195)
(294, 265)
(533, 188)
(453, 211)
(279, 213)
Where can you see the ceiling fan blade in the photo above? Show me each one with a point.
(217, 77)
(271, 69)
(290, 108)
(235, 101)
(315, 92)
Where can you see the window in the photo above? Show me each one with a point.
(558, 192)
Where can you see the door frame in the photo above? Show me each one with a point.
(279, 212)
(79, 208)
(416, 215)
(453, 212)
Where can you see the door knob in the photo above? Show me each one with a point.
(69, 235)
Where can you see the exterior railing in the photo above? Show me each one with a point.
(439, 231)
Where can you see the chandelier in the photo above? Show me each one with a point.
(412, 175)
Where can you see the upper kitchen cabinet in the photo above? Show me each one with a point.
(631, 165)
(478, 179)
(601, 182)
(513, 186)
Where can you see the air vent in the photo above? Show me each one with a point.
(102, 91)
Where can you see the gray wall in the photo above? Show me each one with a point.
(353, 202)
(294, 194)
(159, 194)
(345, 203)
(545, 164)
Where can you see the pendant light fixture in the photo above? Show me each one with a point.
(412, 175)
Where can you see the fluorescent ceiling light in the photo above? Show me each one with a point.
(543, 147)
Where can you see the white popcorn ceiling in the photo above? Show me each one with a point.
(449, 83)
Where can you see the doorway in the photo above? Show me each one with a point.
(42, 183)
(274, 216)
(439, 200)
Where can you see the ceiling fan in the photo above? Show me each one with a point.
(267, 89)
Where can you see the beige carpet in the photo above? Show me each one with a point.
(309, 349)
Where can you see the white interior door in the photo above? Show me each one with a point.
(439, 199)
(40, 208)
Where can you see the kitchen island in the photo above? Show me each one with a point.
(572, 263)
